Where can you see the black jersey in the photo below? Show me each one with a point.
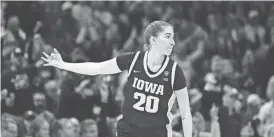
(149, 97)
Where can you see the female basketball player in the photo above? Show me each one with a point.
(154, 82)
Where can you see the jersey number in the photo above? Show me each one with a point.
(151, 103)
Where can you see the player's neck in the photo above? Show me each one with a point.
(154, 58)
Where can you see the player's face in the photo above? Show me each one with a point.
(165, 41)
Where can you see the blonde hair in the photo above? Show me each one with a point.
(153, 29)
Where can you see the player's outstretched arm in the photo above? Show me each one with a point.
(86, 68)
(184, 107)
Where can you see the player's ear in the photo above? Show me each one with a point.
(152, 40)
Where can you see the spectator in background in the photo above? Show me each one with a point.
(64, 128)
(78, 55)
(89, 128)
(84, 98)
(102, 34)
(119, 99)
(40, 128)
(15, 63)
(270, 131)
(18, 60)
(7, 102)
(252, 110)
(236, 34)
(212, 86)
(40, 105)
(35, 10)
(9, 126)
(228, 114)
(124, 28)
(250, 122)
(264, 67)
(266, 114)
(225, 121)
(41, 76)
(77, 126)
(255, 32)
(24, 123)
(15, 37)
(247, 75)
(23, 93)
(66, 29)
(53, 95)
(35, 47)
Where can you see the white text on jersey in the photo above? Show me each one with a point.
(149, 87)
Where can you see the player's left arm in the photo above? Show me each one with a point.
(184, 107)
(181, 93)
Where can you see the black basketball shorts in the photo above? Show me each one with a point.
(124, 129)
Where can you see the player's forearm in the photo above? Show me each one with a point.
(187, 125)
(86, 68)
(92, 68)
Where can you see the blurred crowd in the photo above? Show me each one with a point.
(226, 51)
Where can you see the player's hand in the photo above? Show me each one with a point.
(54, 59)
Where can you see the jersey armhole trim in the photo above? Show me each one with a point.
(173, 74)
(133, 62)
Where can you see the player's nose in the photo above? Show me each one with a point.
(172, 42)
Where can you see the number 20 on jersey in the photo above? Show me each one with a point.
(149, 103)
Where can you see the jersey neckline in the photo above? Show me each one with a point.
(159, 71)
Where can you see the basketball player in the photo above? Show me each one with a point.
(154, 83)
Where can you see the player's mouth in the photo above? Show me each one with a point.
(170, 49)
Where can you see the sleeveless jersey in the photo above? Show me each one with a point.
(149, 97)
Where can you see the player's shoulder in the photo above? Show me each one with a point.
(179, 66)
(172, 62)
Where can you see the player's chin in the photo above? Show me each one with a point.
(168, 52)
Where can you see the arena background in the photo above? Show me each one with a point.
(221, 47)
